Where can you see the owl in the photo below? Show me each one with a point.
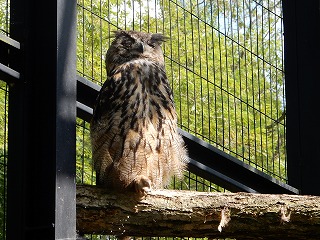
(134, 133)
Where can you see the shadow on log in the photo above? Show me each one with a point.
(169, 213)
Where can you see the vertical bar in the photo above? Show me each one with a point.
(42, 113)
(65, 212)
(302, 37)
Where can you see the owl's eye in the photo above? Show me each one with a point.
(152, 44)
(127, 43)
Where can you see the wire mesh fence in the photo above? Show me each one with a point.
(224, 60)
(4, 29)
(3, 156)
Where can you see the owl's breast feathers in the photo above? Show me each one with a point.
(134, 126)
(135, 93)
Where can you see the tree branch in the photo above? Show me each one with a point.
(168, 213)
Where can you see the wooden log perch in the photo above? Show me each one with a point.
(168, 213)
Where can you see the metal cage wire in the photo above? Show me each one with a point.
(4, 93)
(3, 157)
(224, 60)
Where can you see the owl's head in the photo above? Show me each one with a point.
(131, 45)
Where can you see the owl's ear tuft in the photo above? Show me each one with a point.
(159, 38)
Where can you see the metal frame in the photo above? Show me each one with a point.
(8, 44)
(302, 38)
(42, 121)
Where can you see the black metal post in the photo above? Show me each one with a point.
(302, 62)
(42, 115)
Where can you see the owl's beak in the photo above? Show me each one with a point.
(140, 47)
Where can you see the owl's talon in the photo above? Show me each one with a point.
(142, 185)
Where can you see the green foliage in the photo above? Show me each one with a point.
(3, 156)
(84, 171)
(4, 29)
(4, 16)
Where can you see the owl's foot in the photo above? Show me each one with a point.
(142, 185)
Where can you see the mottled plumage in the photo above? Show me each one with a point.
(135, 140)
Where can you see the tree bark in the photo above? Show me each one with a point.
(168, 213)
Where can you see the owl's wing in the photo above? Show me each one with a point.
(105, 139)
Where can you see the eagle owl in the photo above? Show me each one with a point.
(134, 134)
